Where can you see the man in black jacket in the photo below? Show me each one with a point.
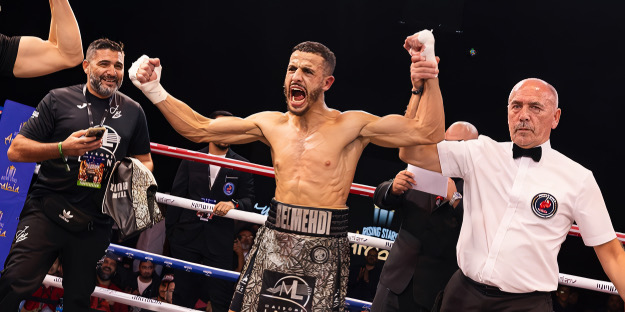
(205, 239)
(426, 243)
(145, 284)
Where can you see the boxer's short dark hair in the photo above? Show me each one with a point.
(321, 50)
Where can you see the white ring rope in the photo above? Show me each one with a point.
(586, 283)
(124, 298)
(260, 219)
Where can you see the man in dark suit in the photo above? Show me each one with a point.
(423, 257)
(204, 239)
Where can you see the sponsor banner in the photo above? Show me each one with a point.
(371, 227)
(14, 177)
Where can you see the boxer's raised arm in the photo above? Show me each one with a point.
(425, 155)
(425, 123)
(63, 49)
(197, 128)
(145, 74)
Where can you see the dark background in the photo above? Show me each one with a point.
(233, 56)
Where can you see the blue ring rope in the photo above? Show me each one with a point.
(204, 270)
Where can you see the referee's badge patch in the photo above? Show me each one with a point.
(229, 189)
(544, 205)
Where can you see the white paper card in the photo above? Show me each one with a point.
(429, 181)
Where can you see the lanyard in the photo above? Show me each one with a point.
(111, 110)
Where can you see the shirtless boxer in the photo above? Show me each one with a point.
(301, 255)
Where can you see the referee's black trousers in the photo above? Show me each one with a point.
(37, 244)
(463, 294)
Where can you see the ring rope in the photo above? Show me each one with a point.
(244, 166)
(260, 219)
(193, 267)
(565, 279)
(356, 188)
(124, 298)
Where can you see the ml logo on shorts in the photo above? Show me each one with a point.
(544, 205)
(284, 292)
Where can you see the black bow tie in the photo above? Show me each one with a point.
(534, 152)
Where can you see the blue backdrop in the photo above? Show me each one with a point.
(14, 177)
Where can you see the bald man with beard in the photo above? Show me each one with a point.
(62, 214)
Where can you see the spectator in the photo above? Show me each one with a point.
(146, 284)
(164, 288)
(170, 291)
(242, 246)
(152, 240)
(363, 280)
(104, 275)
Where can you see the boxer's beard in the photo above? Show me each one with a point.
(103, 275)
(312, 97)
(96, 83)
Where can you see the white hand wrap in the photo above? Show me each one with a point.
(426, 38)
(153, 89)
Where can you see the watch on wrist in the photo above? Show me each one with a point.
(455, 197)
(418, 91)
(235, 202)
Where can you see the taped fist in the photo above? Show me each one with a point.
(145, 74)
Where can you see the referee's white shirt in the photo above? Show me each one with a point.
(503, 242)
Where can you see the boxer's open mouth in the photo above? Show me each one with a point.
(298, 94)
